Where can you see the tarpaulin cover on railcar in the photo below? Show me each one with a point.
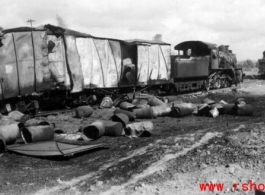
(92, 62)
(24, 62)
(152, 60)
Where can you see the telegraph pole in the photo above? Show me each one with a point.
(31, 21)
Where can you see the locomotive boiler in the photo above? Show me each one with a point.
(202, 65)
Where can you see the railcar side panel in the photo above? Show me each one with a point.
(166, 56)
(84, 47)
(115, 47)
(143, 64)
(43, 74)
(162, 73)
(154, 62)
(25, 60)
(74, 64)
(97, 72)
(112, 74)
(8, 68)
(57, 63)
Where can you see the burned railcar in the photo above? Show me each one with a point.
(52, 66)
(202, 65)
(24, 67)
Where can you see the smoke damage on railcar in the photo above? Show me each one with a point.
(52, 67)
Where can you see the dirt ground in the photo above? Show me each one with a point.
(181, 154)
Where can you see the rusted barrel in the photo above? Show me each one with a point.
(106, 103)
(130, 114)
(229, 108)
(2, 144)
(37, 133)
(183, 109)
(35, 122)
(84, 111)
(246, 110)
(140, 103)
(113, 129)
(16, 115)
(10, 133)
(154, 101)
(139, 129)
(6, 120)
(94, 130)
(143, 113)
(120, 117)
(204, 110)
(176, 99)
(25, 118)
(163, 110)
(126, 105)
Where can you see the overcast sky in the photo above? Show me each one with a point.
(237, 23)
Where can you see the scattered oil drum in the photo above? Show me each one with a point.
(84, 111)
(229, 108)
(154, 101)
(130, 114)
(94, 130)
(139, 129)
(114, 129)
(34, 122)
(2, 144)
(246, 110)
(143, 113)
(140, 103)
(37, 133)
(106, 103)
(10, 133)
(204, 110)
(126, 105)
(183, 109)
(16, 115)
(120, 117)
(163, 110)
(168, 99)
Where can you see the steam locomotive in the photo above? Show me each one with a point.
(48, 67)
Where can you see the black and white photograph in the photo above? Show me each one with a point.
(132, 97)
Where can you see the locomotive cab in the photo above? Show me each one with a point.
(190, 68)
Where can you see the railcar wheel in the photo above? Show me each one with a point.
(217, 83)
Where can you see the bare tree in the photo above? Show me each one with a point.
(157, 37)
(60, 21)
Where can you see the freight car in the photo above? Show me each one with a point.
(51, 67)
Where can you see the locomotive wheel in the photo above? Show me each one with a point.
(217, 83)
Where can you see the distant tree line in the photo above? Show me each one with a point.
(248, 64)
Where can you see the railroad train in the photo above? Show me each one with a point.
(262, 65)
(48, 67)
